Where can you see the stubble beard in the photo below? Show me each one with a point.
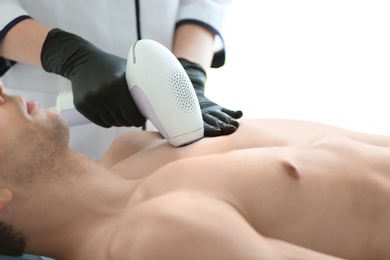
(38, 153)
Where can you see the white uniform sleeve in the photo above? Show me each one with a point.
(209, 14)
(11, 12)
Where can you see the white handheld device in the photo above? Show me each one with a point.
(162, 91)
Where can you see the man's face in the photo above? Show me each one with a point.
(29, 137)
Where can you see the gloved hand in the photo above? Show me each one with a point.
(99, 86)
(217, 120)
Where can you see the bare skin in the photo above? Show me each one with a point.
(194, 43)
(323, 188)
(24, 42)
(276, 189)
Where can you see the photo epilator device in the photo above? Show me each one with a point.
(162, 91)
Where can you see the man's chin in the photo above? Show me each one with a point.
(61, 126)
(56, 126)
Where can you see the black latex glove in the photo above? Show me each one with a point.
(99, 86)
(217, 120)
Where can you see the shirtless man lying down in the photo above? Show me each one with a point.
(276, 189)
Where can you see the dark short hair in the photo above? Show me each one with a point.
(12, 243)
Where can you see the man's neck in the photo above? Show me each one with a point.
(77, 208)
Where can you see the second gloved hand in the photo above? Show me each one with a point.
(217, 120)
(99, 86)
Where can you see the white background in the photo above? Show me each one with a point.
(324, 61)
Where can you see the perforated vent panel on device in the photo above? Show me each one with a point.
(182, 90)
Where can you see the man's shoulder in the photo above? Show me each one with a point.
(169, 223)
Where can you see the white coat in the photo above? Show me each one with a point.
(112, 26)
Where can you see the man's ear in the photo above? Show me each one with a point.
(5, 198)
